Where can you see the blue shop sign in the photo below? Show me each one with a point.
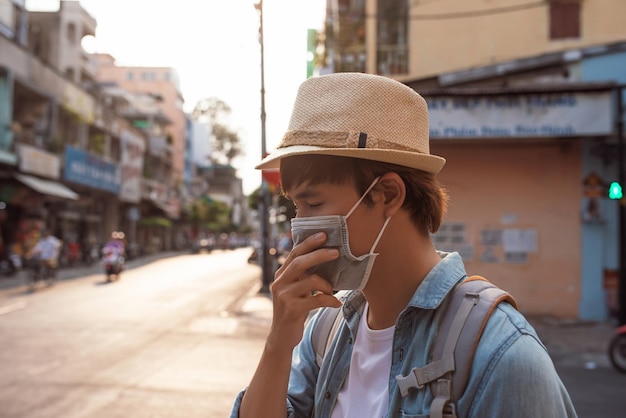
(89, 170)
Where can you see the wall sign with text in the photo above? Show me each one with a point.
(521, 116)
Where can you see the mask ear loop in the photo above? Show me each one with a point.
(380, 234)
(356, 205)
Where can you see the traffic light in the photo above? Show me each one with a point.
(615, 191)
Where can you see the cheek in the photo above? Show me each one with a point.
(362, 235)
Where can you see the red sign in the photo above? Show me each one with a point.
(271, 176)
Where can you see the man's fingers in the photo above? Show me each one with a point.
(304, 256)
(308, 245)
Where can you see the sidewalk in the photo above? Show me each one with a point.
(575, 342)
(255, 306)
(569, 342)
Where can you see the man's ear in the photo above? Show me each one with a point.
(391, 190)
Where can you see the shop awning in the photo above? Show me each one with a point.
(48, 187)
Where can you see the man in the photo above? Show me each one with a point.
(356, 158)
(46, 252)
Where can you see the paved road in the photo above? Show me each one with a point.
(179, 335)
(165, 341)
(579, 351)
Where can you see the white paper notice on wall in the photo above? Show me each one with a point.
(517, 240)
(508, 218)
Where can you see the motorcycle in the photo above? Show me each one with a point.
(113, 263)
(617, 349)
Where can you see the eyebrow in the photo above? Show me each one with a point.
(304, 194)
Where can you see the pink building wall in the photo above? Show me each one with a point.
(534, 187)
(160, 83)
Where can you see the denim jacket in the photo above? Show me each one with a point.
(512, 374)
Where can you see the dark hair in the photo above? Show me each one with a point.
(426, 200)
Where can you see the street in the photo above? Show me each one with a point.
(180, 335)
(161, 342)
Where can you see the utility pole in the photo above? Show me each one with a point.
(264, 197)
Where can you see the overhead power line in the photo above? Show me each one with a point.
(479, 13)
(455, 15)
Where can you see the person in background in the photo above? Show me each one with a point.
(47, 251)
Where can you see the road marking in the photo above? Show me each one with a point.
(13, 307)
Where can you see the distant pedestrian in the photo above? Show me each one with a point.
(46, 252)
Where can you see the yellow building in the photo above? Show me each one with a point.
(422, 38)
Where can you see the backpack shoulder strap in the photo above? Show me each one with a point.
(462, 331)
(323, 332)
(465, 317)
(325, 328)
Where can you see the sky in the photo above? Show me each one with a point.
(214, 47)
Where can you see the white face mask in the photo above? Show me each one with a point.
(347, 272)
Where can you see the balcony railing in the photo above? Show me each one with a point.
(392, 59)
(31, 70)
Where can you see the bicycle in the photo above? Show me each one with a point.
(41, 271)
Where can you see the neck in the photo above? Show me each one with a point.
(403, 263)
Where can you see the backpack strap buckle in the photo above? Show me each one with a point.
(407, 382)
(420, 376)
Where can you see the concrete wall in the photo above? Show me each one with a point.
(533, 186)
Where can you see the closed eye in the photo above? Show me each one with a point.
(308, 206)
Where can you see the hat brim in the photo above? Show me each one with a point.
(429, 163)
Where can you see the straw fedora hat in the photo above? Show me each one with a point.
(358, 115)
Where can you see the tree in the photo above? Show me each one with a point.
(225, 142)
(211, 215)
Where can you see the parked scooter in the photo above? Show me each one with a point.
(10, 263)
(71, 254)
(90, 252)
(617, 349)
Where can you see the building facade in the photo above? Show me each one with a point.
(78, 156)
(60, 165)
(154, 80)
(527, 122)
(415, 39)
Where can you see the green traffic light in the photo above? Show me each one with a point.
(615, 191)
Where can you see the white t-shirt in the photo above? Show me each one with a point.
(365, 393)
